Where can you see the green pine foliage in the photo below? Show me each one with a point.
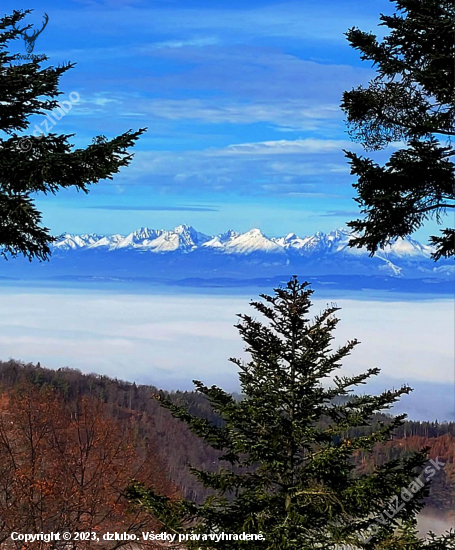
(410, 100)
(31, 165)
(286, 449)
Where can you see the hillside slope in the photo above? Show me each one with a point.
(177, 448)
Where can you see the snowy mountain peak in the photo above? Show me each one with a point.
(74, 242)
(144, 233)
(184, 228)
(290, 237)
(407, 248)
(219, 240)
(338, 234)
(255, 232)
(250, 242)
(230, 234)
(190, 235)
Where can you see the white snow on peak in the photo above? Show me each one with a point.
(292, 241)
(109, 242)
(290, 237)
(251, 241)
(73, 242)
(230, 234)
(339, 235)
(190, 235)
(142, 238)
(407, 248)
(219, 240)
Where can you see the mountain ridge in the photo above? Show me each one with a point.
(184, 238)
(184, 252)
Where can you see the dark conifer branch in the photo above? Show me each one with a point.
(411, 99)
(31, 165)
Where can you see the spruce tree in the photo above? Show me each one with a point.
(411, 100)
(287, 447)
(32, 165)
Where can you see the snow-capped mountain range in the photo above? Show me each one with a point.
(186, 239)
(184, 255)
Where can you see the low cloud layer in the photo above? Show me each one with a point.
(170, 339)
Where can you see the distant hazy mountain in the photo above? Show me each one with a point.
(184, 252)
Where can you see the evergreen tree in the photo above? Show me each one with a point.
(412, 100)
(287, 447)
(31, 164)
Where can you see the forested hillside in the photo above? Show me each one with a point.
(170, 447)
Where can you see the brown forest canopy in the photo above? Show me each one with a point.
(172, 447)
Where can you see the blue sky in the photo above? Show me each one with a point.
(241, 101)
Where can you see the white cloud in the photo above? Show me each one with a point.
(163, 337)
(285, 147)
(298, 113)
(191, 42)
(278, 167)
